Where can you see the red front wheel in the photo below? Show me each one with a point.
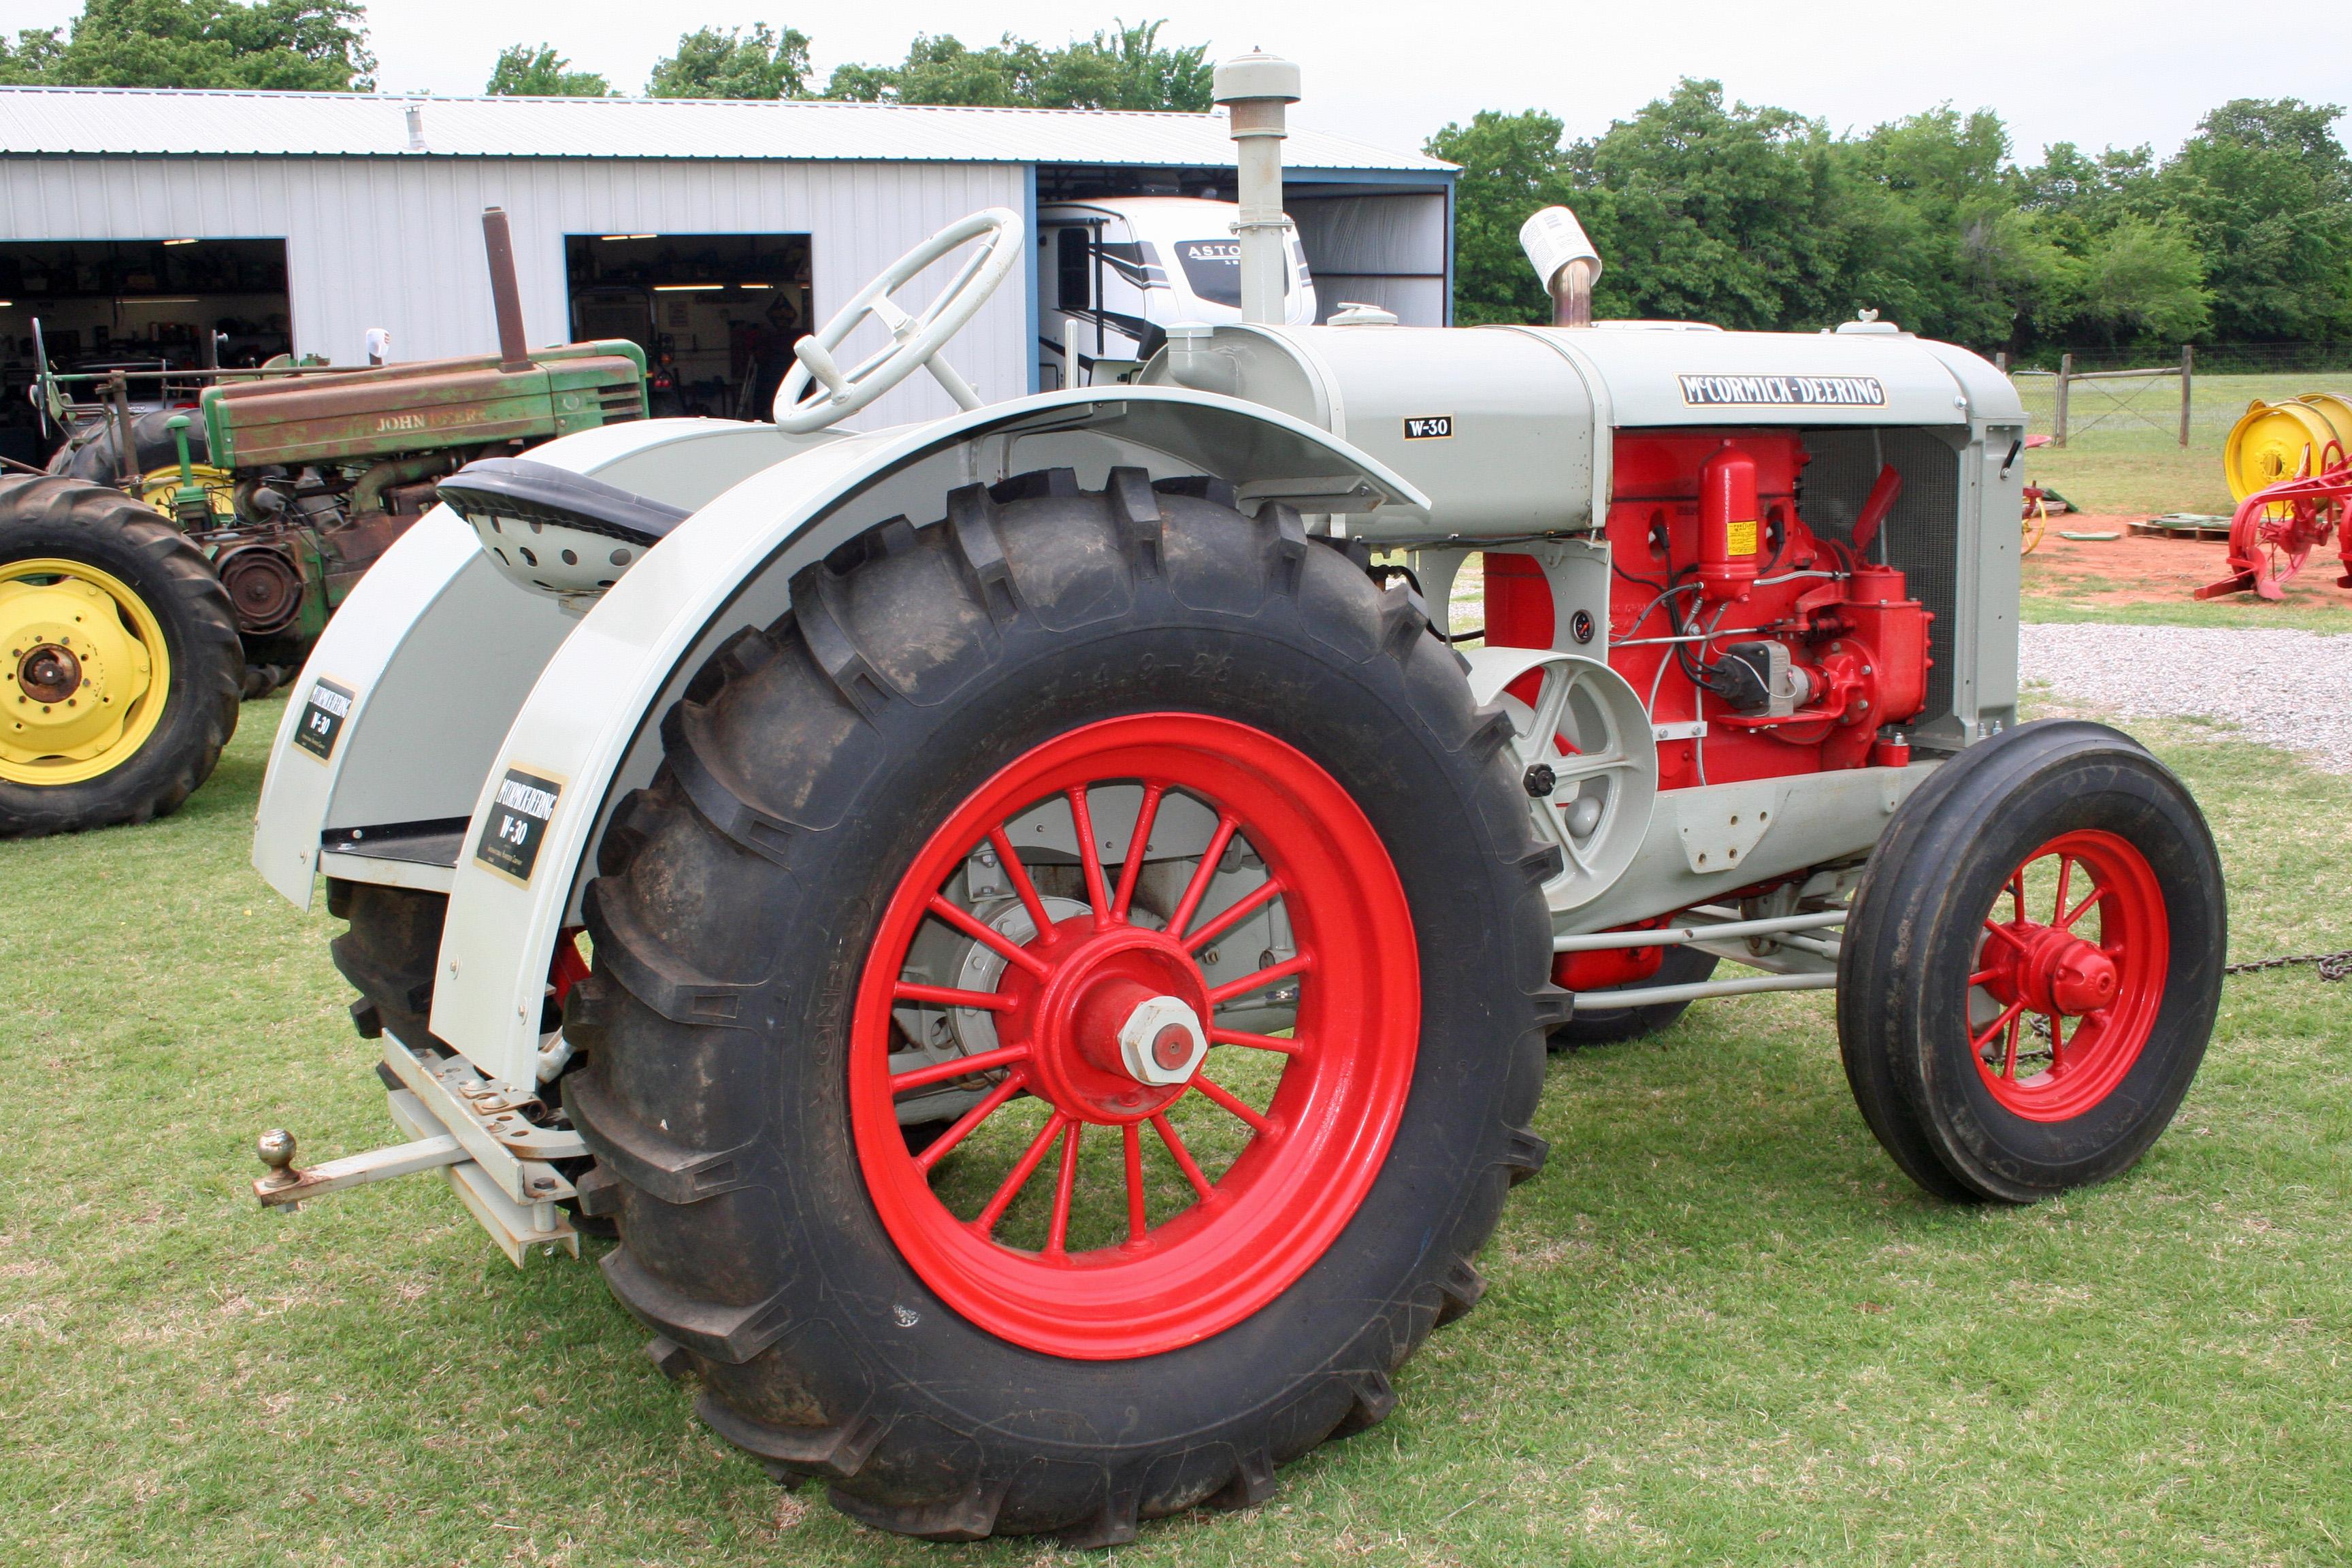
(2033, 965)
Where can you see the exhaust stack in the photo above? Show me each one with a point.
(1258, 89)
(1564, 258)
(506, 295)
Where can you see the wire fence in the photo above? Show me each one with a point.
(2144, 411)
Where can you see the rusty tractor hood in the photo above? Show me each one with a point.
(363, 416)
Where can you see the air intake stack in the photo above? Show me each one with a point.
(1258, 89)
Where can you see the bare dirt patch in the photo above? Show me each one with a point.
(2132, 569)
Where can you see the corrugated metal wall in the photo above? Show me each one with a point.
(1384, 250)
(396, 242)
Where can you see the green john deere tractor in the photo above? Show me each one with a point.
(165, 566)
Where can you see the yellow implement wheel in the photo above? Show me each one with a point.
(86, 674)
(2337, 411)
(2275, 441)
(2037, 521)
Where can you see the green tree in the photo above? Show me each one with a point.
(1723, 212)
(318, 46)
(712, 64)
(524, 71)
(1512, 164)
(2265, 193)
(2143, 280)
(1125, 67)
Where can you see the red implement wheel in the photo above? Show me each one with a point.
(1110, 1022)
(1012, 1166)
(2033, 965)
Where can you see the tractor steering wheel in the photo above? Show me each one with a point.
(916, 340)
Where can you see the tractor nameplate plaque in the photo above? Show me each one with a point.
(1783, 392)
(1430, 427)
(323, 715)
(520, 814)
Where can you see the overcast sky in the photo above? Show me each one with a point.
(2091, 71)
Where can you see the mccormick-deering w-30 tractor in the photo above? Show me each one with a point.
(1071, 954)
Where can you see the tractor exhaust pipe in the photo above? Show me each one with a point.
(1564, 258)
(1258, 89)
(506, 294)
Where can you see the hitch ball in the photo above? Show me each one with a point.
(276, 1150)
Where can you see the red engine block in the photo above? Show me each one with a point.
(1708, 547)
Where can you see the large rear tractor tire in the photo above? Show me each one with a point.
(2034, 965)
(120, 663)
(1167, 1244)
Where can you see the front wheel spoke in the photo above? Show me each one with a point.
(1985, 977)
(990, 937)
(1198, 888)
(1259, 980)
(1030, 1159)
(2009, 1060)
(1082, 822)
(1993, 928)
(2065, 875)
(2008, 1014)
(940, 1148)
(2017, 894)
(961, 1067)
(2066, 919)
(1233, 914)
(1184, 1156)
(1256, 1042)
(1066, 1181)
(1221, 1096)
(949, 996)
(1018, 875)
(1138, 1220)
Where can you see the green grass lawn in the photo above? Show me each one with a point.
(1721, 1328)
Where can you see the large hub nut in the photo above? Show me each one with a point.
(1162, 1042)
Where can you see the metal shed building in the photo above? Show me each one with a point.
(126, 216)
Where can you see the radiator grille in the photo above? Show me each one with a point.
(1922, 533)
(618, 403)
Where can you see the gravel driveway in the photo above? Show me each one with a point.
(2290, 689)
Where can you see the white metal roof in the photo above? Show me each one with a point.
(158, 121)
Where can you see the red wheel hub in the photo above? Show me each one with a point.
(1107, 1023)
(2060, 1008)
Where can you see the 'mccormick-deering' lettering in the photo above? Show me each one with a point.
(1784, 391)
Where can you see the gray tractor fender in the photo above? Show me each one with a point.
(589, 730)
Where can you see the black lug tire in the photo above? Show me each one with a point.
(1611, 1026)
(1911, 941)
(67, 519)
(805, 768)
(152, 447)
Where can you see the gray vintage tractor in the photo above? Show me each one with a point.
(1071, 941)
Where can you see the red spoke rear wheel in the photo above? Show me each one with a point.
(1107, 1015)
(2066, 989)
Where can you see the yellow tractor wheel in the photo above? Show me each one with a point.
(120, 662)
(2275, 441)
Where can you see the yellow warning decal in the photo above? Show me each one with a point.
(1739, 537)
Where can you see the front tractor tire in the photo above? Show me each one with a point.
(2034, 965)
(120, 663)
(1004, 811)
